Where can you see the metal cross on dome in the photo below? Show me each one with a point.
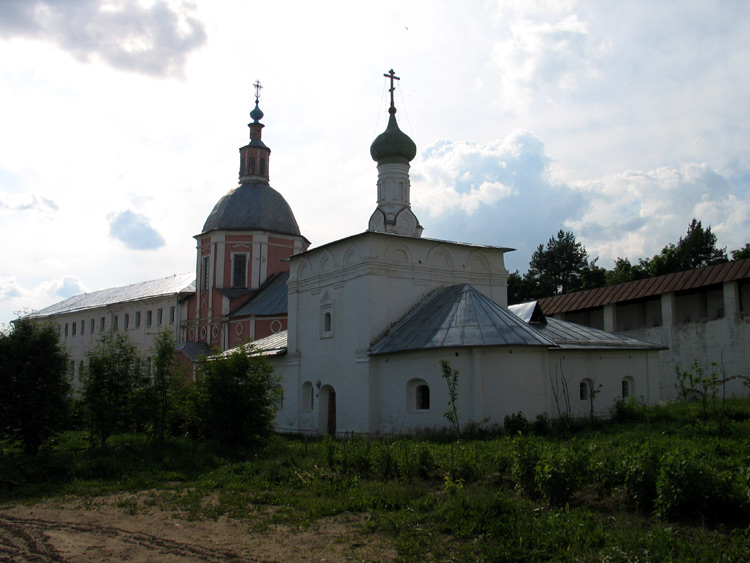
(392, 75)
(257, 85)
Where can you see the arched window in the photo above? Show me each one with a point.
(584, 390)
(417, 396)
(628, 387)
(423, 397)
(327, 322)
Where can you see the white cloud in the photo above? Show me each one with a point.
(134, 230)
(17, 300)
(154, 39)
(635, 214)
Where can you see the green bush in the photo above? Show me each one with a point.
(516, 423)
(559, 473)
(630, 409)
(236, 398)
(689, 487)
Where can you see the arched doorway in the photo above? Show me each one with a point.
(327, 410)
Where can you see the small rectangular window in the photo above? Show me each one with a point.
(116, 323)
(159, 316)
(137, 319)
(92, 326)
(74, 329)
(148, 318)
(102, 322)
(66, 330)
(126, 321)
(171, 315)
(239, 270)
(262, 166)
(250, 164)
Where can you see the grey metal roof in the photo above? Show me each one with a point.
(457, 316)
(270, 299)
(194, 350)
(273, 345)
(178, 283)
(572, 336)
(568, 335)
(252, 207)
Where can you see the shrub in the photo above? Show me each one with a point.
(516, 423)
(237, 397)
(640, 474)
(689, 487)
(630, 409)
(541, 426)
(526, 456)
(559, 473)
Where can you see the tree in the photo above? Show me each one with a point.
(624, 271)
(696, 249)
(113, 377)
(33, 383)
(164, 385)
(237, 395)
(451, 379)
(741, 253)
(558, 267)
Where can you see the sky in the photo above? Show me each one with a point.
(120, 125)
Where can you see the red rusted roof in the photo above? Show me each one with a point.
(649, 287)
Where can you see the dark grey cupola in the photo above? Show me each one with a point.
(253, 205)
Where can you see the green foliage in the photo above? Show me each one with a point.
(559, 473)
(630, 409)
(160, 397)
(236, 401)
(451, 379)
(695, 250)
(516, 423)
(690, 486)
(33, 383)
(694, 382)
(741, 253)
(558, 268)
(114, 375)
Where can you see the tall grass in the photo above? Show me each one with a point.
(655, 484)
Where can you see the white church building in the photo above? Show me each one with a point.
(371, 316)
(356, 328)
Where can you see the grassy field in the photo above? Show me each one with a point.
(654, 484)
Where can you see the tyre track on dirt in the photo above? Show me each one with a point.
(27, 539)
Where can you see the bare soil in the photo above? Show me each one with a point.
(100, 529)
